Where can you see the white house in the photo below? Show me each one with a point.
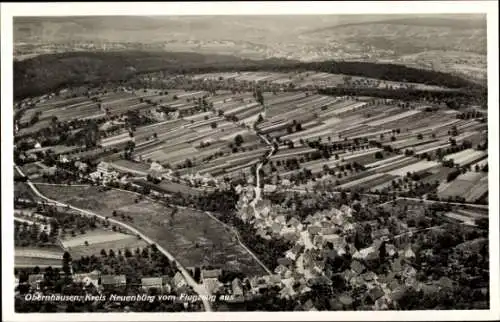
(104, 171)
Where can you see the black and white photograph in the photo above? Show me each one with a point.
(184, 160)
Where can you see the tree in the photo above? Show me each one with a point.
(260, 97)
(379, 155)
(238, 140)
(67, 263)
(260, 118)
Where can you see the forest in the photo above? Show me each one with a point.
(47, 73)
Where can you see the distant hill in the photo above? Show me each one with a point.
(46, 73)
(416, 21)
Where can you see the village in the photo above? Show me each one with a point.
(262, 190)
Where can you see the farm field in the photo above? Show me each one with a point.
(41, 257)
(307, 79)
(191, 236)
(466, 157)
(198, 131)
(99, 239)
(170, 187)
(25, 262)
(471, 186)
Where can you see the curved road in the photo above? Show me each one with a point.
(198, 288)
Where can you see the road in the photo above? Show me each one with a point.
(198, 288)
(257, 172)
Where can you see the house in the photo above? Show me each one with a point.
(309, 306)
(257, 284)
(398, 293)
(409, 253)
(357, 267)
(156, 170)
(409, 272)
(276, 228)
(280, 269)
(336, 240)
(82, 166)
(346, 300)
(210, 273)
(381, 304)
(288, 230)
(272, 279)
(262, 233)
(166, 283)
(35, 279)
(318, 266)
(348, 211)
(294, 222)
(285, 182)
(148, 283)
(113, 280)
(328, 230)
(369, 253)
(63, 159)
(291, 236)
(104, 168)
(287, 292)
(269, 188)
(38, 145)
(309, 219)
(51, 171)
(338, 220)
(237, 287)
(104, 171)
(313, 230)
(445, 283)
(348, 274)
(280, 220)
(87, 278)
(375, 293)
(397, 265)
(212, 285)
(306, 240)
(210, 278)
(294, 252)
(318, 241)
(369, 276)
(428, 288)
(349, 227)
(390, 249)
(178, 281)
